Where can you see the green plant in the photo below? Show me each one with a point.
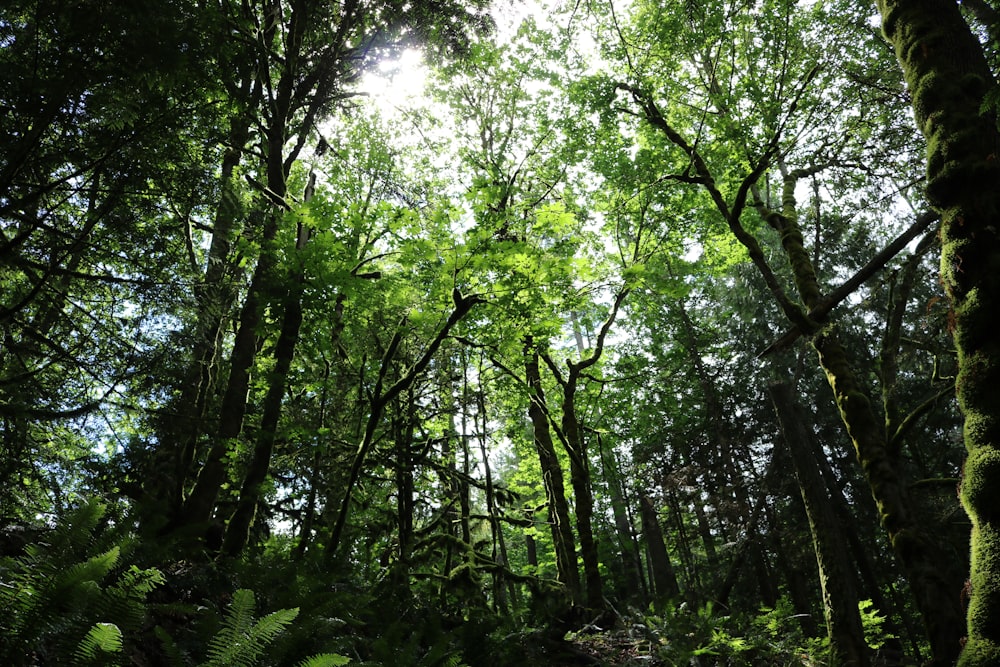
(777, 638)
(875, 635)
(687, 633)
(70, 599)
(242, 639)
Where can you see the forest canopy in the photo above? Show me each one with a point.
(646, 333)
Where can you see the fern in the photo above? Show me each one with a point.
(241, 641)
(62, 600)
(172, 652)
(325, 660)
(101, 639)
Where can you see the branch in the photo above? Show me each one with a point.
(874, 265)
(602, 335)
(895, 439)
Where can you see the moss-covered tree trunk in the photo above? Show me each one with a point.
(950, 82)
(922, 560)
(579, 474)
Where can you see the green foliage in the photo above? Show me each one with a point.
(102, 638)
(777, 633)
(62, 604)
(685, 633)
(875, 634)
(685, 636)
(242, 639)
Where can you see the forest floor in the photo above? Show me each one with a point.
(610, 649)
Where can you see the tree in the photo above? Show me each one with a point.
(764, 142)
(952, 86)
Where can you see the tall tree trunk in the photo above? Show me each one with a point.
(238, 529)
(572, 438)
(403, 422)
(837, 581)
(705, 533)
(664, 578)
(579, 472)
(692, 569)
(922, 560)
(796, 581)
(627, 543)
(201, 502)
(915, 26)
(504, 588)
(953, 92)
(552, 476)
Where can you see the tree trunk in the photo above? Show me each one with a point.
(238, 530)
(799, 588)
(579, 471)
(922, 560)
(552, 477)
(201, 502)
(664, 579)
(837, 581)
(627, 543)
(953, 92)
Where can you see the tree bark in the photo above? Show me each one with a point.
(664, 578)
(953, 91)
(837, 581)
(552, 476)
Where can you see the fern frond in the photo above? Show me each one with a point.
(92, 570)
(325, 660)
(240, 642)
(64, 605)
(102, 638)
(170, 648)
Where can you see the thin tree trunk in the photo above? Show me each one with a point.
(215, 300)
(798, 587)
(627, 543)
(380, 397)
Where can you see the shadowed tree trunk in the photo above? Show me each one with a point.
(552, 476)
(837, 585)
(922, 560)
(664, 578)
(627, 543)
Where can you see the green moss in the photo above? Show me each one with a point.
(890, 20)
(980, 490)
(973, 85)
(980, 653)
(983, 617)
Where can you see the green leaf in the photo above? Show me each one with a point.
(101, 638)
(325, 660)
